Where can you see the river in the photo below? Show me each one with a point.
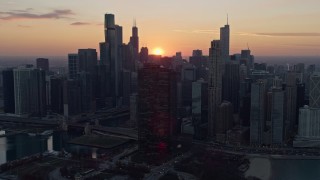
(284, 169)
(21, 145)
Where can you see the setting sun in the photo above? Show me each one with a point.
(158, 51)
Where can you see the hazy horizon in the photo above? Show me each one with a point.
(289, 27)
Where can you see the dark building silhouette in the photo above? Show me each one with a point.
(247, 58)
(201, 64)
(300, 99)
(144, 54)
(110, 57)
(30, 91)
(216, 70)
(73, 66)
(56, 94)
(88, 60)
(231, 85)
(43, 63)
(258, 112)
(278, 109)
(71, 97)
(134, 40)
(224, 121)
(156, 109)
(199, 108)
(8, 91)
(100, 90)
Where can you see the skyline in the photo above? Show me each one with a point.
(269, 27)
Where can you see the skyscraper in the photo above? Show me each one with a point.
(73, 66)
(314, 96)
(247, 58)
(56, 94)
(291, 98)
(88, 60)
(216, 69)
(231, 84)
(199, 107)
(257, 114)
(8, 90)
(87, 73)
(43, 63)
(110, 49)
(134, 39)
(156, 109)
(277, 116)
(144, 54)
(225, 42)
(29, 91)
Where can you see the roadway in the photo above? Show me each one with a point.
(260, 151)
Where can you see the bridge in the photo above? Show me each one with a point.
(82, 123)
(125, 133)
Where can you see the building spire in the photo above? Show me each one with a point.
(227, 19)
(134, 23)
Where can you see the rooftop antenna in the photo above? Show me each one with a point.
(248, 46)
(134, 23)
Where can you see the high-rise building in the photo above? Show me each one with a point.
(291, 99)
(225, 42)
(8, 91)
(73, 66)
(245, 102)
(87, 95)
(87, 76)
(216, 69)
(156, 109)
(314, 97)
(113, 39)
(231, 85)
(56, 94)
(199, 107)
(88, 60)
(43, 63)
(198, 60)
(301, 88)
(243, 72)
(128, 57)
(309, 122)
(257, 114)
(72, 98)
(277, 116)
(224, 121)
(30, 91)
(144, 54)
(247, 58)
(134, 39)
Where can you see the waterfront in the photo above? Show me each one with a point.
(21, 145)
(283, 169)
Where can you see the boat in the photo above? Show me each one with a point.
(46, 133)
(32, 134)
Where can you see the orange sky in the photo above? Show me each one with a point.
(289, 27)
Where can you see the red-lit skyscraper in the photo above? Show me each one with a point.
(156, 109)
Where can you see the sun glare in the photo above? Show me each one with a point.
(158, 51)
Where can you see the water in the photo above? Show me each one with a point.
(284, 169)
(22, 145)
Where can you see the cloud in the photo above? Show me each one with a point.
(24, 26)
(197, 31)
(56, 14)
(80, 23)
(22, 11)
(312, 34)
